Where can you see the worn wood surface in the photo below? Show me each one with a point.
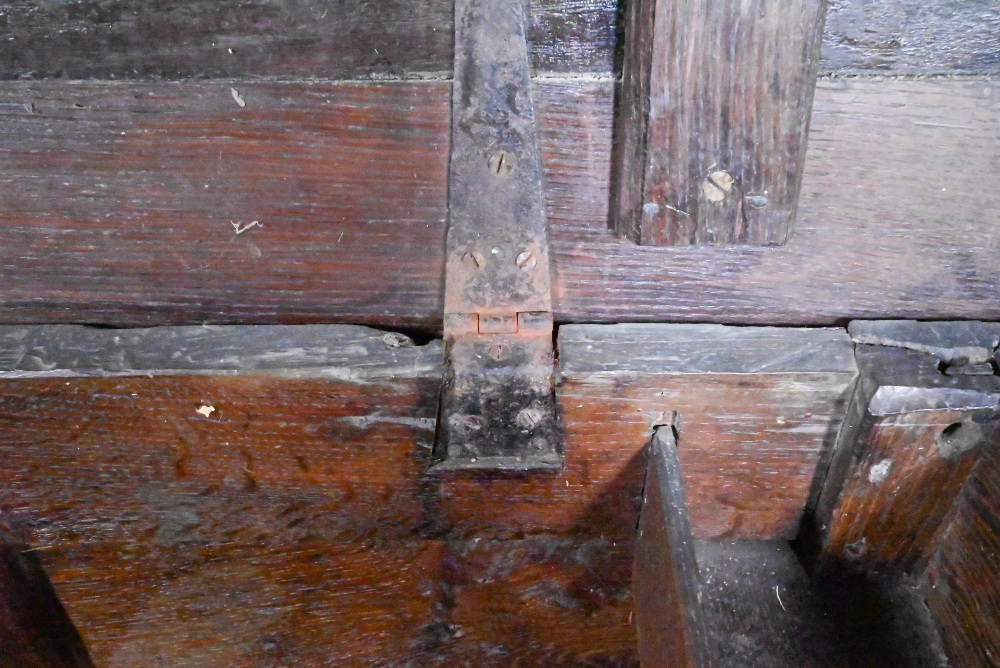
(712, 120)
(764, 611)
(120, 229)
(914, 432)
(758, 409)
(355, 39)
(669, 621)
(912, 37)
(294, 522)
(962, 583)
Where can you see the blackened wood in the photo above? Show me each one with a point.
(713, 117)
(131, 39)
(128, 39)
(669, 620)
(917, 425)
(962, 583)
(135, 237)
(759, 409)
(36, 631)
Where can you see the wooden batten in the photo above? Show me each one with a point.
(666, 587)
(713, 116)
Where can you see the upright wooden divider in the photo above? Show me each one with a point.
(669, 620)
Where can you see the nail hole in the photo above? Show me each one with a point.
(958, 438)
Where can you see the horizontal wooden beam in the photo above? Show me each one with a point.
(122, 202)
(129, 39)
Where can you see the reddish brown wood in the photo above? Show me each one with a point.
(350, 234)
(915, 430)
(293, 524)
(962, 585)
(713, 116)
(758, 410)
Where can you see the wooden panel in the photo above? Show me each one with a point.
(712, 122)
(150, 181)
(356, 39)
(294, 523)
(758, 408)
(36, 631)
(962, 586)
(916, 428)
(313, 603)
(912, 37)
(350, 234)
(849, 257)
(131, 39)
(665, 584)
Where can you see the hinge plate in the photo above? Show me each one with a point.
(498, 407)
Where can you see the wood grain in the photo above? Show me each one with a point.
(669, 620)
(295, 523)
(712, 120)
(128, 39)
(912, 37)
(351, 235)
(757, 410)
(962, 585)
(916, 427)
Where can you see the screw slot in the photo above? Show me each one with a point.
(473, 260)
(502, 163)
(526, 261)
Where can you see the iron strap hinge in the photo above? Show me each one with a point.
(498, 405)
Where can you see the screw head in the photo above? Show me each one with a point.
(758, 201)
(526, 261)
(502, 163)
(473, 260)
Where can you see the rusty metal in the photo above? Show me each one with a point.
(498, 407)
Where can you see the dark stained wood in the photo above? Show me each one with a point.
(131, 39)
(351, 235)
(669, 621)
(712, 120)
(36, 631)
(912, 37)
(915, 430)
(125, 39)
(758, 410)
(962, 583)
(764, 611)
